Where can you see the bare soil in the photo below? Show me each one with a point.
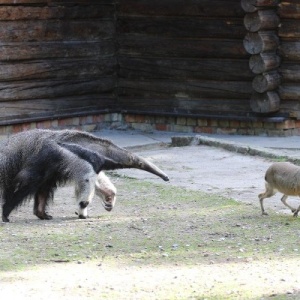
(214, 170)
(52, 269)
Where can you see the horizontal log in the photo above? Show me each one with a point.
(289, 29)
(261, 20)
(79, 2)
(188, 48)
(262, 41)
(10, 2)
(292, 107)
(254, 5)
(289, 91)
(185, 90)
(204, 8)
(182, 68)
(29, 13)
(290, 72)
(289, 10)
(289, 51)
(55, 2)
(12, 112)
(56, 30)
(58, 69)
(266, 82)
(24, 90)
(36, 51)
(191, 27)
(265, 103)
(219, 107)
(264, 62)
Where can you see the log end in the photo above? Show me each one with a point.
(268, 102)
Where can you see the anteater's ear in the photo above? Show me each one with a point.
(110, 164)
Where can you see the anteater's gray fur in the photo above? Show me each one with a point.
(35, 162)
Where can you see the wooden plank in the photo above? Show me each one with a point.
(189, 48)
(37, 109)
(204, 8)
(24, 90)
(217, 106)
(192, 27)
(267, 102)
(17, 13)
(266, 82)
(264, 62)
(289, 91)
(57, 69)
(289, 50)
(184, 90)
(18, 2)
(290, 72)
(289, 10)
(56, 30)
(61, 103)
(36, 51)
(183, 68)
(262, 41)
(292, 107)
(289, 29)
(55, 2)
(80, 2)
(261, 20)
(254, 5)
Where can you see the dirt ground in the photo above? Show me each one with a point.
(213, 170)
(200, 168)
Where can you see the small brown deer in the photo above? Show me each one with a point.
(282, 177)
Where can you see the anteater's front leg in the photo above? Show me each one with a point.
(84, 191)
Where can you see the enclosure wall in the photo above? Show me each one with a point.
(57, 58)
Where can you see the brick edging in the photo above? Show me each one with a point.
(151, 123)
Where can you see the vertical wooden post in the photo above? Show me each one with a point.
(261, 41)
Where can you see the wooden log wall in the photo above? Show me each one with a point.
(183, 57)
(57, 58)
(262, 41)
(289, 50)
(198, 57)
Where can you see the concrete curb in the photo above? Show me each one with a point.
(182, 141)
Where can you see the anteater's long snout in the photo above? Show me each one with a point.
(148, 166)
(119, 158)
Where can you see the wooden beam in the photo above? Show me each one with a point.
(266, 82)
(254, 5)
(261, 20)
(262, 41)
(264, 62)
(265, 103)
(140, 46)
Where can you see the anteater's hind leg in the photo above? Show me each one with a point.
(13, 199)
(267, 194)
(40, 203)
(7, 208)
